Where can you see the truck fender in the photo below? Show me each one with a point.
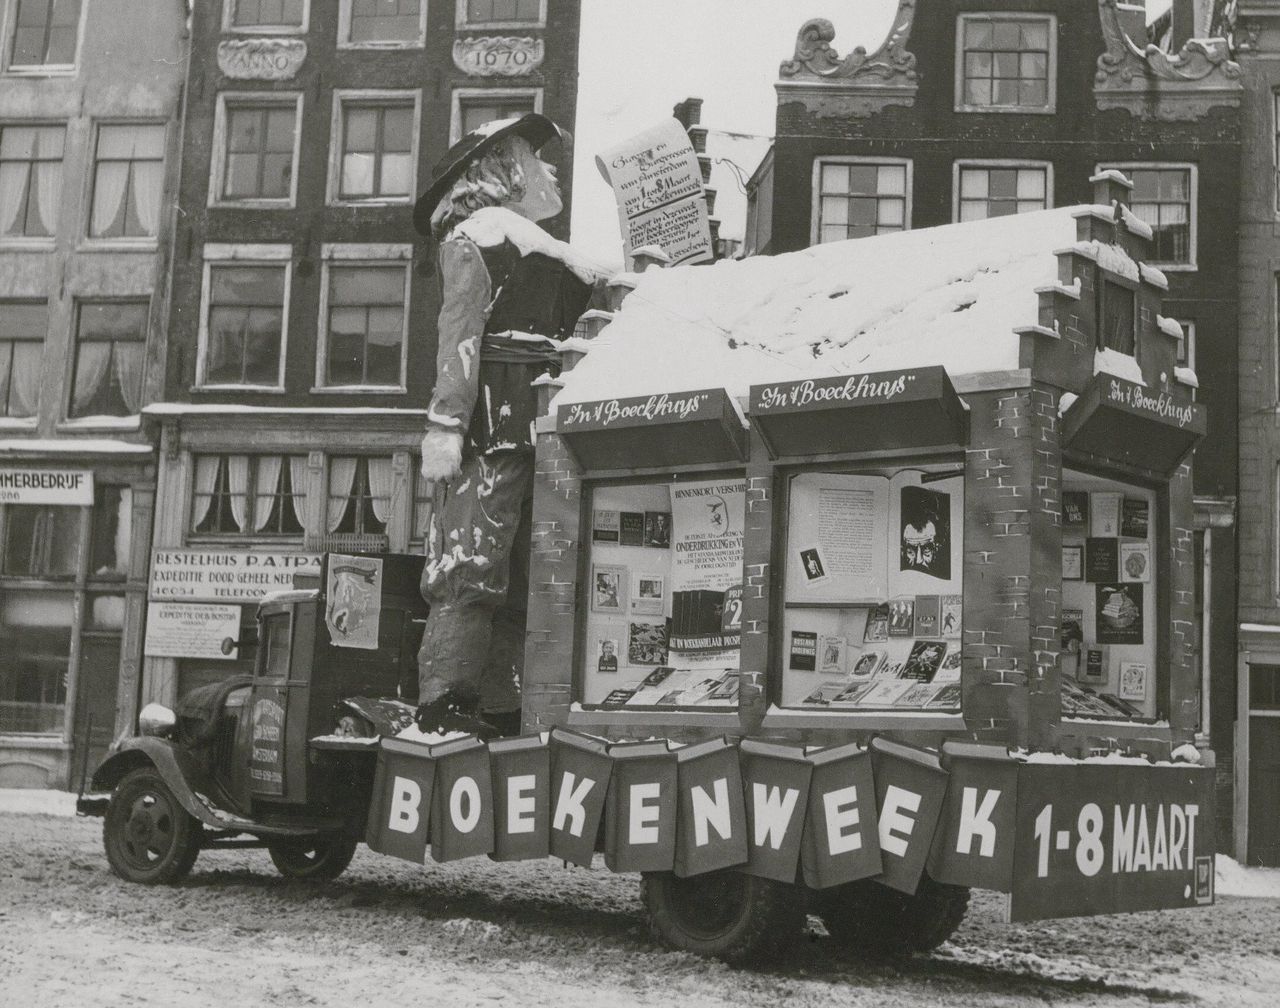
(188, 781)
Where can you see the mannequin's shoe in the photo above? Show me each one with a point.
(454, 712)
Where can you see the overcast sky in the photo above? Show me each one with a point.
(640, 58)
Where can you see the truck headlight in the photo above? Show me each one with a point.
(156, 719)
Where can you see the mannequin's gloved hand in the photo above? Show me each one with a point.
(441, 455)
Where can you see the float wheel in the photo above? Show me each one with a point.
(312, 859)
(149, 837)
(871, 918)
(725, 914)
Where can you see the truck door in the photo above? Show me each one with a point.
(267, 710)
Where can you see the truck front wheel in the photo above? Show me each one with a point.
(871, 918)
(312, 859)
(726, 914)
(149, 837)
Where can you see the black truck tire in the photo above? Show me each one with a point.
(312, 859)
(149, 837)
(872, 919)
(729, 915)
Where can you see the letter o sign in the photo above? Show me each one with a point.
(464, 804)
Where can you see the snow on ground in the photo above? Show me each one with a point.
(950, 295)
(29, 801)
(1234, 879)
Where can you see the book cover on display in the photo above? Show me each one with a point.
(949, 616)
(1094, 668)
(949, 670)
(647, 644)
(804, 651)
(902, 617)
(926, 616)
(1119, 613)
(852, 693)
(917, 696)
(831, 655)
(877, 630)
(649, 690)
(648, 594)
(1135, 518)
(923, 662)
(868, 664)
(725, 693)
(618, 698)
(608, 588)
(605, 527)
(631, 529)
(1075, 509)
(657, 529)
(1135, 562)
(825, 693)
(884, 692)
(1101, 560)
(1121, 706)
(1133, 680)
(947, 696)
(706, 573)
(1104, 514)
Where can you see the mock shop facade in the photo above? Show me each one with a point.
(886, 625)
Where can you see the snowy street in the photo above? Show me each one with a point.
(475, 933)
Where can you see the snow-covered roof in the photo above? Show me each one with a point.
(950, 295)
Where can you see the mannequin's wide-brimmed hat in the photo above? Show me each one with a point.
(533, 126)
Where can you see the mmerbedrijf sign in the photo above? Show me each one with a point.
(72, 487)
(225, 575)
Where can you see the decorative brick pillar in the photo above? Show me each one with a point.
(1177, 676)
(753, 700)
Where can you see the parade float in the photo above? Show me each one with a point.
(861, 576)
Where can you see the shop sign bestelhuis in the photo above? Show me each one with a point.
(194, 575)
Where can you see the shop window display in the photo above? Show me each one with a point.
(35, 634)
(664, 595)
(873, 609)
(1109, 602)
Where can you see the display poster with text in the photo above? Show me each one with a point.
(706, 573)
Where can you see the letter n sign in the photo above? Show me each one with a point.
(401, 804)
(910, 784)
(462, 807)
(973, 845)
(841, 841)
(712, 820)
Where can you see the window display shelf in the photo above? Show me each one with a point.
(780, 717)
(584, 717)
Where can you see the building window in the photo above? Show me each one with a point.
(364, 322)
(107, 377)
(501, 12)
(111, 538)
(359, 495)
(41, 541)
(997, 190)
(30, 180)
(472, 108)
(261, 15)
(1005, 63)
(1275, 147)
(244, 324)
(1115, 317)
(855, 198)
(256, 138)
(35, 637)
(383, 22)
(1165, 197)
(22, 330)
(128, 179)
(377, 148)
(44, 34)
(249, 495)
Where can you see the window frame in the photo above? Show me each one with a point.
(86, 239)
(37, 69)
(1275, 152)
(191, 536)
(218, 163)
(815, 199)
(11, 422)
(338, 136)
(459, 98)
(37, 241)
(243, 255)
(346, 42)
(73, 357)
(1108, 282)
(1193, 206)
(461, 20)
(230, 27)
(960, 164)
(362, 255)
(362, 459)
(1051, 79)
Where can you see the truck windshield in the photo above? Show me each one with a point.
(275, 662)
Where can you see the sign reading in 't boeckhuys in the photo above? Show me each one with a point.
(829, 393)
(225, 575)
(1157, 405)
(676, 407)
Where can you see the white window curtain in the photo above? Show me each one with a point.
(342, 476)
(49, 193)
(238, 483)
(128, 368)
(24, 380)
(206, 478)
(108, 190)
(298, 477)
(380, 478)
(13, 183)
(148, 181)
(92, 363)
(266, 489)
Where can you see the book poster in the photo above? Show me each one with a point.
(608, 589)
(355, 601)
(647, 644)
(657, 529)
(1135, 562)
(902, 617)
(631, 529)
(868, 663)
(1133, 681)
(1101, 560)
(1104, 514)
(647, 594)
(877, 628)
(831, 655)
(926, 532)
(1075, 509)
(706, 573)
(804, 651)
(1135, 518)
(926, 616)
(1094, 669)
(949, 621)
(924, 661)
(604, 527)
(607, 655)
(949, 670)
(1119, 613)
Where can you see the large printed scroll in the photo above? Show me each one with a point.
(658, 185)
